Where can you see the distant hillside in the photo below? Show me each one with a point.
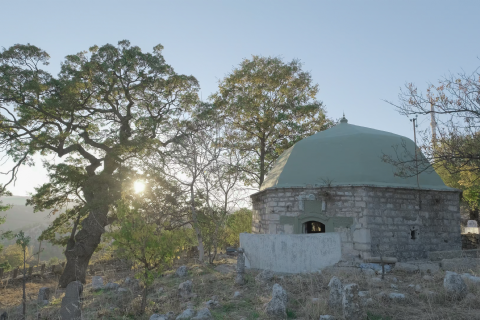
(21, 216)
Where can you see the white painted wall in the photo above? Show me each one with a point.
(291, 253)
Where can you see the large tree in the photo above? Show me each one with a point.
(452, 148)
(267, 105)
(105, 108)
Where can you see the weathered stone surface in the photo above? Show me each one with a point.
(43, 294)
(454, 286)
(453, 254)
(71, 302)
(212, 303)
(239, 278)
(203, 314)
(264, 276)
(237, 295)
(336, 293)
(181, 271)
(97, 283)
(460, 264)
(327, 317)
(277, 307)
(112, 286)
(396, 296)
(427, 277)
(122, 290)
(430, 268)
(188, 314)
(418, 288)
(369, 272)
(406, 267)
(185, 289)
(469, 278)
(351, 305)
(169, 316)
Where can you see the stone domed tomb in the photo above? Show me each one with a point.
(335, 181)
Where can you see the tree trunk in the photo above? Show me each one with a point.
(144, 298)
(24, 302)
(79, 251)
(201, 251)
(262, 162)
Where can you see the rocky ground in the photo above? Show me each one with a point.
(203, 292)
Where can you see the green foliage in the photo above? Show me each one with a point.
(238, 222)
(13, 255)
(6, 266)
(107, 108)
(139, 238)
(268, 105)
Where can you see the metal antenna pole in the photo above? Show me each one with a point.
(414, 121)
(433, 124)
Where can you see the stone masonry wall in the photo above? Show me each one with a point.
(402, 223)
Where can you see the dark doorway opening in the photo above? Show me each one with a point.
(314, 227)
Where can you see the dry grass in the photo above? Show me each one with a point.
(308, 296)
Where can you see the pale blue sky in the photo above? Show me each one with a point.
(359, 52)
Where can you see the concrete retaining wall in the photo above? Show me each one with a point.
(291, 253)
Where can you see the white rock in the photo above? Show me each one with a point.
(264, 276)
(454, 286)
(418, 288)
(237, 295)
(112, 286)
(351, 305)
(396, 296)
(369, 272)
(427, 277)
(327, 317)
(188, 314)
(336, 293)
(277, 307)
(97, 283)
(185, 289)
(406, 267)
(203, 314)
(181, 271)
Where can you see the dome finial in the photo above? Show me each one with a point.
(343, 120)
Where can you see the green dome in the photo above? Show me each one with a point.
(346, 155)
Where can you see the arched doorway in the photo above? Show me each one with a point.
(313, 227)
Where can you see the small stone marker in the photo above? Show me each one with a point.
(336, 293)
(181, 271)
(351, 305)
(277, 307)
(71, 302)
(472, 224)
(43, 294)
(264, 276)
(97, 283)
(186, 314)
(203, 314)
(240, 267)
(185, 289)
(454, 286)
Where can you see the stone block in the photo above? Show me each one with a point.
(362, 236)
